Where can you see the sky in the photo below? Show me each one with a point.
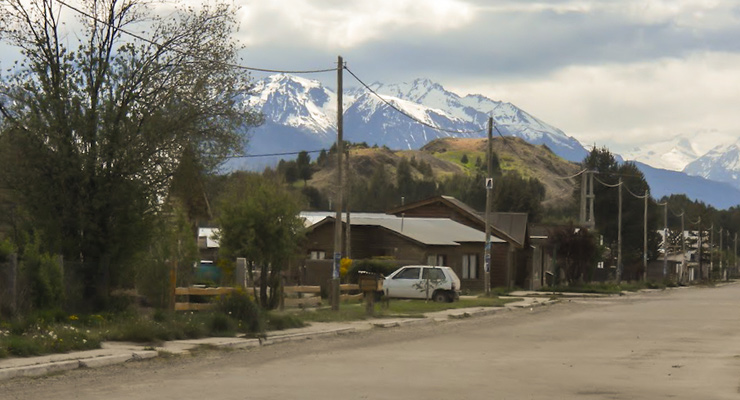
(620, 73)
(616, 73)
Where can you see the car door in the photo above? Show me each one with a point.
(403, 283)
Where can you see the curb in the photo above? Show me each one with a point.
(184, 346)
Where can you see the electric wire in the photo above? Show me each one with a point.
(152, 42)
(404, 113)
(607, 184)
(572, 176)
(289, 153)
(647, 193)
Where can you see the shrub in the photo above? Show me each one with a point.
(279, 322)
(221, 324)
(240, 306)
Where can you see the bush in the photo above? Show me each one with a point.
(279, 322)
(382, 267)
(221, 324)
(240, 306)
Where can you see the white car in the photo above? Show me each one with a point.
(423, 282)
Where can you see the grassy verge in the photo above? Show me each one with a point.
(608, 287)
(396, 309)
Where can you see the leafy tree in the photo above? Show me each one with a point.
(577, 252)
(303, 165)
(512, 193)
(606, 208)
(259, 221)
(464, 159)
(103, 121)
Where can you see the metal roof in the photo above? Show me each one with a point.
(428, 231)
(209, 234)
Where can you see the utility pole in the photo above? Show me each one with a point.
(619, 234)
(711, 250)
(489, 189)
(338, 205)
(348, 228)
(683, 246)
(665, 239)
(701, 270)
(644, 238)
(587, 200)
(721, 271)
(735, 254)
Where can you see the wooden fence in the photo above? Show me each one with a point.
(293, 296)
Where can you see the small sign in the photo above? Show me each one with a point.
(489, 183)
(488, 263)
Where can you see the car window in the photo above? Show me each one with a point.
(408, 273)
(433, 273)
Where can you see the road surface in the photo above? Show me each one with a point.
(677, 344)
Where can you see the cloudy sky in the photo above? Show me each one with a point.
(620, 73)
(614, 72)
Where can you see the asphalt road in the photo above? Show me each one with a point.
(679, 344)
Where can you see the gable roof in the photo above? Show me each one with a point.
(427, 231)
(506, 232)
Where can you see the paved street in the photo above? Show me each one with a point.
(680, 344)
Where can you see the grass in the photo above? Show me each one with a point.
(607, 287)
(46, 333)
(396, 309)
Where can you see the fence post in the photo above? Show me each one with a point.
(241, 273)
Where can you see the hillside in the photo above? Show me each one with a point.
(444, 155)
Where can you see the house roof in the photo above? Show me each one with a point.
(428, 231)
(209, 234)
(514, 224)
(501, 232)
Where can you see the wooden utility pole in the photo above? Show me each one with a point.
(338, 191)
(665, 239)
(644, 238)
(348, 228)
(711, 250)
(721, 272)
(683, 246)
(701, 270)
(489, 189)
(619, 234)
(736, 253)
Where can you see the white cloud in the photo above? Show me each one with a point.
(344, 24)
(623, 105)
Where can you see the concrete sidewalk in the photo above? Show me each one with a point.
(120, 352)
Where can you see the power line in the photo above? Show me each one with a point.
(290, 153)
(572, 176)
(606, 184)
(404, 113)
(637, 196)
(152, 42)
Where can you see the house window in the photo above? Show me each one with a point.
(470, 266)
(439, 260)
(317, 255)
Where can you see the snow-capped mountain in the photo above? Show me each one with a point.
(721, 164)
(473, 110)
(300, 114)
(672, 154)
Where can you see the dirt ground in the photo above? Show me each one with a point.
(679, 344)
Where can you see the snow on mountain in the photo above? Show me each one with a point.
(673, 154)
(297, 102)
(721, 164)
(474, 110)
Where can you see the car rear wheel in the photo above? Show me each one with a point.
(440, 296)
